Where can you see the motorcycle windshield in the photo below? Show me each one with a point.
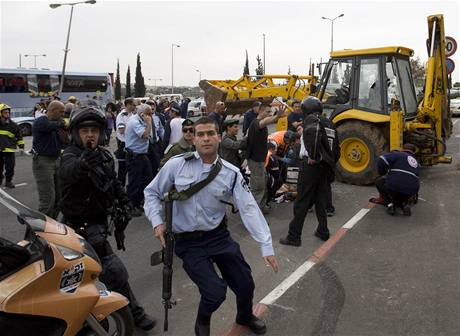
(36, 220)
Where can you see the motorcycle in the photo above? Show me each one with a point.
(49, 282)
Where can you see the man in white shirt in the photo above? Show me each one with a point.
(174, 126)
(121, 122)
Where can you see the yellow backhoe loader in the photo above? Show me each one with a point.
(370, 96)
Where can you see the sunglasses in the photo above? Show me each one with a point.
(188, 130)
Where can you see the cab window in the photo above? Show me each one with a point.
(370, 85)
(337, 89)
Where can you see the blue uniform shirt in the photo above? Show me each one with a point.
(133, 135)
(204, 211)
(402, 171)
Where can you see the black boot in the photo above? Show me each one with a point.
(256, 325)
(9, 184)
(202, 326)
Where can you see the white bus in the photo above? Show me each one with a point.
(23, 88)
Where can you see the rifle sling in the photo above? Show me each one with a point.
(183, 195)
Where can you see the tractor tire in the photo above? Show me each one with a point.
(361, 144)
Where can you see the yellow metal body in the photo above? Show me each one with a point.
(433, 110)
(240, 94)
(395, 50)
(396, 130)
(354, 114)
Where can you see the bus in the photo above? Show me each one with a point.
(23, 88)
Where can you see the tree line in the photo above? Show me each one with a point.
(139, 83)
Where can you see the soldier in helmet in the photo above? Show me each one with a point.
(90, 189)
(318, 153)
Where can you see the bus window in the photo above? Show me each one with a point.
(54, 82)
(44, 84)
(84, 84)
(12, 83)
(32, 85)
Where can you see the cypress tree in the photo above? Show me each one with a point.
(128, 83)
(260, 66)
(118, 83)
(246, 66)
(139, 85)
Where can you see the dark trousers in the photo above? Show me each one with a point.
(139, 176)
(120, 154)
(329, 206)
(311, 189)
(108, 133)
(390, 196)
(200, 254)
(114, 273)
(7, 162)
(154, 157)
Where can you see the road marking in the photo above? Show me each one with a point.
(21, 184)
(455, 121)
(270, 299)
(287, 283)
(355, 219)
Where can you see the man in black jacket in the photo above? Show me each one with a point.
(90, 192)
(317, 165)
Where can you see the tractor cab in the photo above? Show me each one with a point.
(374, 81)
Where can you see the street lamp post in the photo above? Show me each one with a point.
(199, 72)
(155, 80)
(35, 58)
(56, 5)
(332, 28)
(172, 65)
(264, 52)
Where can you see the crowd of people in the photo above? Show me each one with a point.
(158, 148)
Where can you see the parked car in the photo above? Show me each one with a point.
(455, 107)
(25, 124)
(194, 108)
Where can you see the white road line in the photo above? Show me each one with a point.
(305, 267)
(355, 219)
(21, 184)
(455, 122)
(287, 283)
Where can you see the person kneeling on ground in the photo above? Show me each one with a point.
(399, 182)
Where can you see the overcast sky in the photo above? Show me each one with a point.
(213, 36)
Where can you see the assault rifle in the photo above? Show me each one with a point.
(166, 256)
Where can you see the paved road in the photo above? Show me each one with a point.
(386, 276)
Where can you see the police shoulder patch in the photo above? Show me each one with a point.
(412, 161)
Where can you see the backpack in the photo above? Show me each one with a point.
(313, 132)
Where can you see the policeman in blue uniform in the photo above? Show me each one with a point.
(199, 225)
(400, 178)
(140, 173)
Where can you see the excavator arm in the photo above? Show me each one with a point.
(433, 112)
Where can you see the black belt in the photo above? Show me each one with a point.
(193, 235)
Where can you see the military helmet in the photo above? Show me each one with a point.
(311, 105)
(87, 115)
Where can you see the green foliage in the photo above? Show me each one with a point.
(139, 85)
(128, 83)
(246, 65)
(418, 71)
(118, 83)
(260, 66)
